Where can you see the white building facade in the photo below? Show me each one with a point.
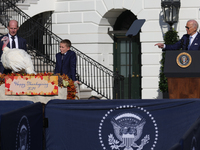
(86, 24)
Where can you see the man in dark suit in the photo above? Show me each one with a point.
(189, 41)
(66, 60)
(15, 42)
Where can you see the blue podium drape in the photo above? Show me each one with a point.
(118, 124)
(22, 129)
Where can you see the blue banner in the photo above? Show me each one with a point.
(7, 105)
(22, 129)
(118, 124)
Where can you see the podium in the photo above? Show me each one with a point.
(182, 69)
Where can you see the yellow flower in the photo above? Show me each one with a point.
(65, 83)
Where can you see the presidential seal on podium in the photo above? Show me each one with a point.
(184, 60)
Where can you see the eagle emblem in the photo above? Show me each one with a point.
(128, 128)
(184, 59)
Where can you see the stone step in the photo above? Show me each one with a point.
(26, 4)
(85, 93)
(3, 30)
(23, 6)
(3, 18)
(31, 1)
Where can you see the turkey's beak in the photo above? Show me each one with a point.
(2, 39)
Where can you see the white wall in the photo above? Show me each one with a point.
(39, 7)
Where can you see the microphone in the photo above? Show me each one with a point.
(187, 43)
(182, 44)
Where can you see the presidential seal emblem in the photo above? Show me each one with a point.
(128, 130)
(23, 134)
(184, 60)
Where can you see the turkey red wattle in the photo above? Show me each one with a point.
(5, 40)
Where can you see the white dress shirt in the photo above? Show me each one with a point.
(16, 41)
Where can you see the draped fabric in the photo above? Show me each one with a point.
(7, 106)
(121, 124)
(22, 129)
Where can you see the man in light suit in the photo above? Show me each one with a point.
(189, 41)
(18, 42)
(66, 60)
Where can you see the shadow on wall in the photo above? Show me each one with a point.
(164, 26)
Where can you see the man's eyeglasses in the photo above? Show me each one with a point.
(187, 27)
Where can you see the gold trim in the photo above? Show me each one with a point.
(177, 59)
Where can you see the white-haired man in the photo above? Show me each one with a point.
(189, 41)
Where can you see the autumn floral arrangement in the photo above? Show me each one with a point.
(63, 81)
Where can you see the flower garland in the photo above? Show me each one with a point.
(63, 81)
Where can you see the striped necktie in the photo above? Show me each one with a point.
(190, 42)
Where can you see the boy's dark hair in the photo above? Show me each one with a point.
(67, 42)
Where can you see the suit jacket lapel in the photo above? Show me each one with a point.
(65, 56)
(60, 58)
(19, 42)
(195, 41)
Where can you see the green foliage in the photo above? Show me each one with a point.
(171, 37)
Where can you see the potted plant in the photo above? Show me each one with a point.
(170, 37)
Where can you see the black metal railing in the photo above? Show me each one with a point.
(97, 76)
(43, 44)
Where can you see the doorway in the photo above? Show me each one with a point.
(121, 55)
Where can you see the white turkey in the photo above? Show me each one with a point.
(17, 60)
